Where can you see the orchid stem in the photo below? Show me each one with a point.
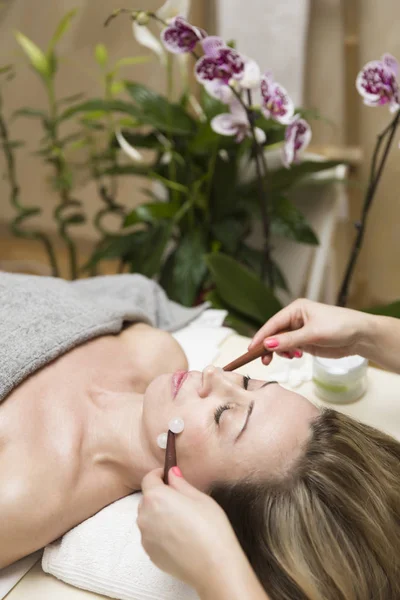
(376, 174)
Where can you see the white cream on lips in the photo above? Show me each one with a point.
(176, 425)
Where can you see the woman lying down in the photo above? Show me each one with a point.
(313, 496)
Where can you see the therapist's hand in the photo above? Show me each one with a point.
(319, 329)
(184, 531)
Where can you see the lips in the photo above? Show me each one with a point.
(177, 380)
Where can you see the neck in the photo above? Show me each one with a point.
(115, 436)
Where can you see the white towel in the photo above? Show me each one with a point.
(104, 555)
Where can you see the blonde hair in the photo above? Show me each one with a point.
(330, 530)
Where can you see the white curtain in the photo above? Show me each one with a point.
(273, 32)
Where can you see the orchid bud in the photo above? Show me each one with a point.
(142, 18)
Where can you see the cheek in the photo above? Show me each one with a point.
(200, 455)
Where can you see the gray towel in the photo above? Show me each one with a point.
(44, 317)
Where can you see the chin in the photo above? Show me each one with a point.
(159, 390)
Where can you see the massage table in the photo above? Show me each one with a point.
(380, 407)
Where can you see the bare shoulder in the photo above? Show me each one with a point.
(153, 351)
(22, 530)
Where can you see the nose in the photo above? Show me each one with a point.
(215, 380)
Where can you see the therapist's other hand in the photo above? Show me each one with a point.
(319, 329)
(184, 531)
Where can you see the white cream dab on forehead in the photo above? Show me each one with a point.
(176, 425)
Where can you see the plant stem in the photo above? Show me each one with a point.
(60, 167)
(262, 173)
(376, 174)
(107, 195)
(24, 213)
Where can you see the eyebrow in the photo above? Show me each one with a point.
(251, 410)
(266, 383)
(246, 421)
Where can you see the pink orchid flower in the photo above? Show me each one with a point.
(236, 123)
(180, 36)
(297, 137)
(219, 62)
(377, 83)
(277, 103)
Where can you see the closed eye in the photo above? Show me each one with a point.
(221, 409)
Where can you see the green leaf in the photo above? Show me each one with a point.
(289, 222)
(116, 88)
(287, 178)
(53, 64)
(107, 106)
(31, 113)
(62, 28)
(185, 269)
(75, 219)
(148, 252)
(275, 131)
(172, 185)
(157, 111)
(36, 56)
(204, 140)
(211, 106)
(235, 320)
(101, 55)
(151, 213)
(386, 310)
(283, 179)
(230, 233)
(71, 99)
(115, 247)
(241, 289)
(253, 258)
(30, 212)
(224, 187)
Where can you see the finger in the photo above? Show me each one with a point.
(290, 341)
(277, 323)
(152, 480)
(285, 354)
(266, 360)
(179, 483)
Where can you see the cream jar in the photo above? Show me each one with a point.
(340, 380)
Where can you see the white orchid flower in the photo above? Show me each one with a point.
(167, 12)
(252, 75)
(174, 8)
(236, 123)
(127, 148)
(145, 38)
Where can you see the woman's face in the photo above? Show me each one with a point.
(234, 428)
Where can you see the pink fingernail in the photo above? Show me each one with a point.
(176, 471)
(271, 343)
(298, 354)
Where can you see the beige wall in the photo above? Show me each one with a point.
(378, 274)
